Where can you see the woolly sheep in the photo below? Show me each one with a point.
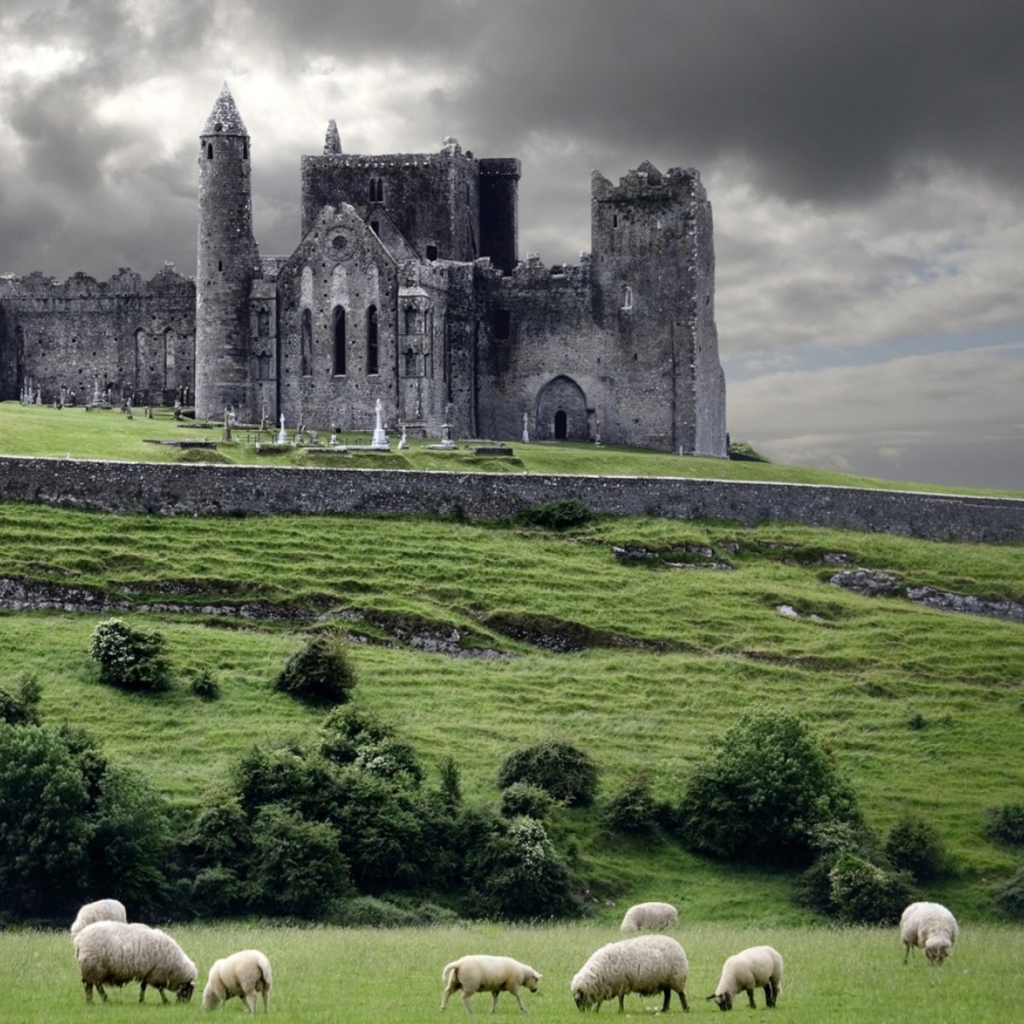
(113, 953)
(242, 974)
(930, 926)
(650, 916)
(101, 910)
(481, 973)
(757, 967)
(646, 965)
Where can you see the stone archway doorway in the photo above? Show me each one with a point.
(562, 411)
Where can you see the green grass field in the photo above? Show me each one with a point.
(838, 975)
(923, 710)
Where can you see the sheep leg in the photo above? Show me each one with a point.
(467, 1001)
(682, 999)
(519, 1000)
(750, 996)
(453, 984)
(771, 992)
(250, 1002)
(667, 1001)
(142, 990)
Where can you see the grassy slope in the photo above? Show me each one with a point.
(860, 676)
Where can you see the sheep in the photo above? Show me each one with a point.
(241, 974)
(757, 967)
(113, 953)
(646, 965)
(101, 910)
(930, 926)
(481, 973)
(654, 916)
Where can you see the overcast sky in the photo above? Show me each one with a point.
(864, 160)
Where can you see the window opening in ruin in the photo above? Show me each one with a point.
(615, 220)
(375, 227)
(263, 322)
(410, 363)
(431, 252)
(502, 324)
(307, 343)
(376, 190)
(372, 348)
(169, 358)
(561, 425)
(220, 265)
(245, 149)
(209, 151)
(339, 341)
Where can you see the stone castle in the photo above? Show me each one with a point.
(405, 288)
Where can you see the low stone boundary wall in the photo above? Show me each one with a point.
(198, 489)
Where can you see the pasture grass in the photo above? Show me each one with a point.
(362, 976)
(108, 434)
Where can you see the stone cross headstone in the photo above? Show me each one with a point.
(526, 428)
(282, 437)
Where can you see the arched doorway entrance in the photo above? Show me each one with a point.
(562, 412)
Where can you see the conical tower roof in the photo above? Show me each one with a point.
(225, 119)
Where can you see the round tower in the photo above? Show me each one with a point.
(225, 265)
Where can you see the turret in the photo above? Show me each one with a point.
(226, 260)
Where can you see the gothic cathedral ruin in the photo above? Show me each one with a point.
(406, 287)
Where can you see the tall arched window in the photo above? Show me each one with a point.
(169, 339)
(339, 341)
(372, 347)
(307, 343)
(410, 363)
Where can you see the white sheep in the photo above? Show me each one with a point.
(101, 910)
(757, 967)
(241, 974)
(646, 965)
(930, 926)
(113, 953)
(650, 917)
(482, 973)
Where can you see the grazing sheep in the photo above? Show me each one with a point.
(650, 917)
(113, 953)
(101, 910)
(757, 967)
(930, 926)
(646, 965)
(494, 974)
(241, 974)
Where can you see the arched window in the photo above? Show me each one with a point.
(209, 151)
(561, 425)
(376, 190)
(339, 341)
(263, 322)
(169, 338)
(306, 367)
(372, 347)
(410, 363)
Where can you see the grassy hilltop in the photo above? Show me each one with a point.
(639, 662)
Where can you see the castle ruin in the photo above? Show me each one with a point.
(405, 287)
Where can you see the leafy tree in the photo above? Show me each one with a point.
(320, 673)
(1005, 824)
(864, 893)
(525, 799)
(129, 658)
(768, 786)
(633, 810)
(21, 708)
(1009, 898)
(347, 730)
(914, 845)
(564, 771)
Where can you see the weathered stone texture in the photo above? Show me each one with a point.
(195, 489)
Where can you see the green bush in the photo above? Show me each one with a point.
(1009, 898)
(129, 658)
(766, 789)
(562, 770)
(21, 708)
(632, 810)
(205, 687)
(914, 845)
(863, 893)
(1005, 824)
(523, 799)
(347, 730)
(320, 673)
(556, 515)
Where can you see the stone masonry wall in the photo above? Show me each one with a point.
(196, 489)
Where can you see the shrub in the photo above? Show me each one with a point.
(346, 730)
(768, 786)
(451, 781)
(390, 759)
(1009, 898)
(205, 687)
(21, 708)
(562, 770)
(632, 811)
(523, 799)
(914, 845)
(1005, 824)
(556, 515)
(863, 893)
(129, 658)
(320, 673)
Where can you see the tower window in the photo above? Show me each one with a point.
(306, 355)
(375, 227)
(410, 363)
(209, 151)
(615, 220)
(502, 324)
(339, 341)
(372, 347)
(431, 252)
(376, 190)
